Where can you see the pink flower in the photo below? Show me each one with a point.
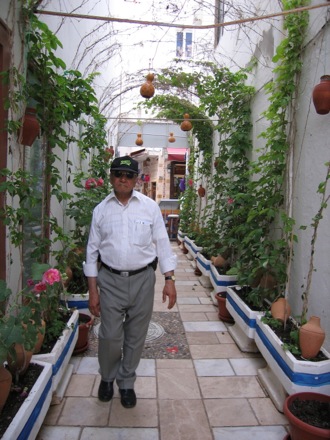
(51, 276)
(190, 182)
(90, 183)
(40, 287)
(230, 201)
(30, 282)
(100, 182)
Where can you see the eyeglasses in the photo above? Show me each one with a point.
(127, 174)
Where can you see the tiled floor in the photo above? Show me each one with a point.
(213, 395)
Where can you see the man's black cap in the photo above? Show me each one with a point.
(125, 163)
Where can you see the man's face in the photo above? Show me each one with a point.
(123, 182)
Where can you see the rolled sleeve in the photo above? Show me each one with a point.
(90, 269)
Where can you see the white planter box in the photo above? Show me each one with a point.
(29, 418)
(243, 331)
(221, 282)
(60, 356)
(284, 373)
(204, 266)
(77, 301)
(181, 235)
(192, 248)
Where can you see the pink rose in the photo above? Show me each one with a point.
(51, 276)
(90, 183)
(100, 182)
(230, 201)
(30, 282)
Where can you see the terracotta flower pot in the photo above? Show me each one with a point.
(223, 314)
(20, 364)
(281, 309)
(311, 337)
(5, 384)
(300, 430)
(85, 323)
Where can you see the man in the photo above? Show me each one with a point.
(127, 235)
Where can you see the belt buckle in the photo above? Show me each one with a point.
(124, 274)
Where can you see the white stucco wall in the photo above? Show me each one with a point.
(311, 149)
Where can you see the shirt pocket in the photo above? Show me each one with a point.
(142, 233)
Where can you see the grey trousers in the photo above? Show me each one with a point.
(126, 309)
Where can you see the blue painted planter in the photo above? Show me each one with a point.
(286, 371)
(29, 418)
(221, 282)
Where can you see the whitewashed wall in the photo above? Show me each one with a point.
(238, 46)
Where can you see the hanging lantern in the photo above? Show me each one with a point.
(201, 191)
(139, 140)
(171, 138)
(147, 89)
(186, 124)
(108, 153)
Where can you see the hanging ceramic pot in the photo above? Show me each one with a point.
(171, 138)
(281, 309)
(139, 140)
(321, 96)
(201, 191)
(311, 337)
(30, 128)
(147, 89)
(186, 125)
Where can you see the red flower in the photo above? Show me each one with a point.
(100, 182)
(40, 287)
(90, 183)
(230, 201)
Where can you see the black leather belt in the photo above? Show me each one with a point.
(126, 273)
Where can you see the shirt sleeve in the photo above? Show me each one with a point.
(92, 252)
(167, 259)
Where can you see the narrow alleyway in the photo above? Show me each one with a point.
(193, 382)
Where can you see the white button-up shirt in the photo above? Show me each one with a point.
(128, 237)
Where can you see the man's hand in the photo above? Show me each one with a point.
(170, 291)
(94, 297)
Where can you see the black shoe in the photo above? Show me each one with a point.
(105, 391)
(128, 398)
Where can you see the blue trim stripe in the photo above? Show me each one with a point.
(83, 304)
(24, 434)
(252, 323)
(301, 379)
(222, 282)
(205, 265)
(60, 360)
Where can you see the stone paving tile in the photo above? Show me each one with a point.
(144, 414)
(209, 326)
(120, 434)
(213, 367)
(177, 384)
(202, 338)
(191, 316)
(266, 412)
(220, 351)
(246, 433)
(225, 338)
(230, 387)
(174, 363)
(247, 367)
(84, 411)
(230, 412)
(59, 432)
(183, 420)
(81, 385)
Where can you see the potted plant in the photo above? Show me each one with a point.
(308, 415)
(61, 324)
(19, 324)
